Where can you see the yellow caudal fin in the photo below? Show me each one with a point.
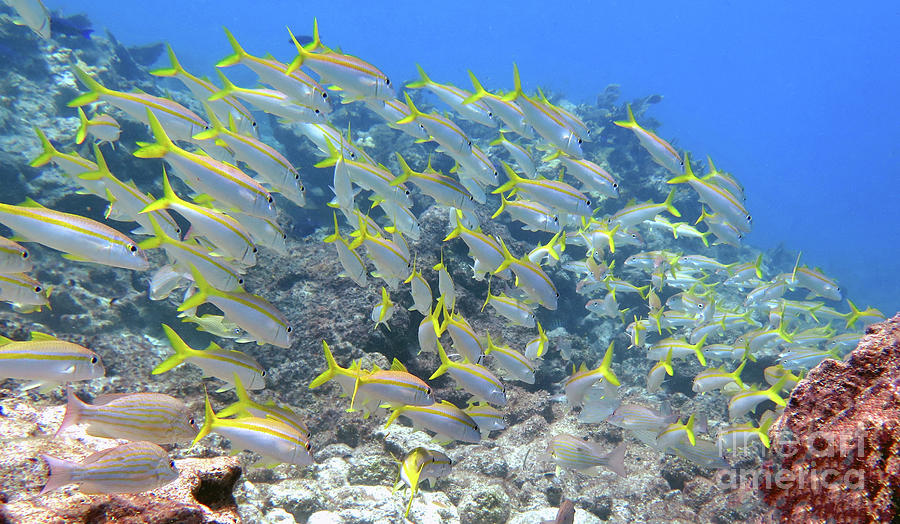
(215, 125)
(49, 152)
(235, 57)
(480, 92)
(209, 418)
(303, 52)
(182, 352)
(83, 122)
(422, 81)
(337, 232)
(169, 197)
(199, 296)
(170, 71)
(329, 372)
(517, 86)
(605, 368)
(631, 123)
(228, 88)
(413, 111)
(688, 175)
(163, 143)
(94, 89)
(445, 362)
(514, 179)
(668, 203)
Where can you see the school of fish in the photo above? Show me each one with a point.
(681, 305)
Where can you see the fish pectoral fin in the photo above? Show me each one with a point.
(76, 258)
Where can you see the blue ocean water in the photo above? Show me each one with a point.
(798, 100)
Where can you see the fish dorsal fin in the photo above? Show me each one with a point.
(396, 365)
(37, 335)
(29, 202)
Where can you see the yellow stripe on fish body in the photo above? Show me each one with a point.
(443, 189)
(71, 163)
(270, 409)
(214, 361)
(129, 468)
(267, 162)
(354, 267)
(556, 194)
(473, 378)
(202, 89)
(580, 381)
(535, 216)
(440, 129)
(634, 214)
(270, 101)
(455, 97)
(531, 278)
(186, 255)
(263, 231)
(680, 348)
(718, 198)
(181, 122)
(512, 361)
(276, 441)
(465, 341)
(748, 399)
(253, 313)
(712, 379)
(355, 76)
(13, 257)
(23, 290)
(79, 237)
(443, 418)
(487, 417)
(221, 181)
(508, 111)
(385, 253)
(152, 417)
(391, 386)
(297, 85)
(662, 153)
(46, 360)
(537, 346)
(231, 239)
(103, 127)
(481, 246)
(126, 201)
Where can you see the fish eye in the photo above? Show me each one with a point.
(557, 294)
(588, 202)
(556, 219)
(241, 281)
(269, 199)
(307, 446)
(387, 81)
(579, 140)
(256, 250)
(296, 176)
(253, 124)
(262, 374)
(749, 218)
(428, 391)
(471, 198)
(283, 236)
(94, 360)
(615, 185)
(407, 192)
(132, 248)
(422, 127)
(37, 289)
(191, 422)
(302, 188)
(290, 329)
(324, 94)
(24, 254)
(469, 142)
(172, 464)
(700, 306)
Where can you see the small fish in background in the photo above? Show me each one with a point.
(77, 26)
(33, 14)
(130, 468)
(13, 257)
(422, 465)
(102, 127)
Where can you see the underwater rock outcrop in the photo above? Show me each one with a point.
(837, 447)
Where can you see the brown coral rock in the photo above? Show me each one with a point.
(837, 447)
(201, 494)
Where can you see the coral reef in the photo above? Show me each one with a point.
(836, 449)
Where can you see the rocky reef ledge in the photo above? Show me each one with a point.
(837, 448)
